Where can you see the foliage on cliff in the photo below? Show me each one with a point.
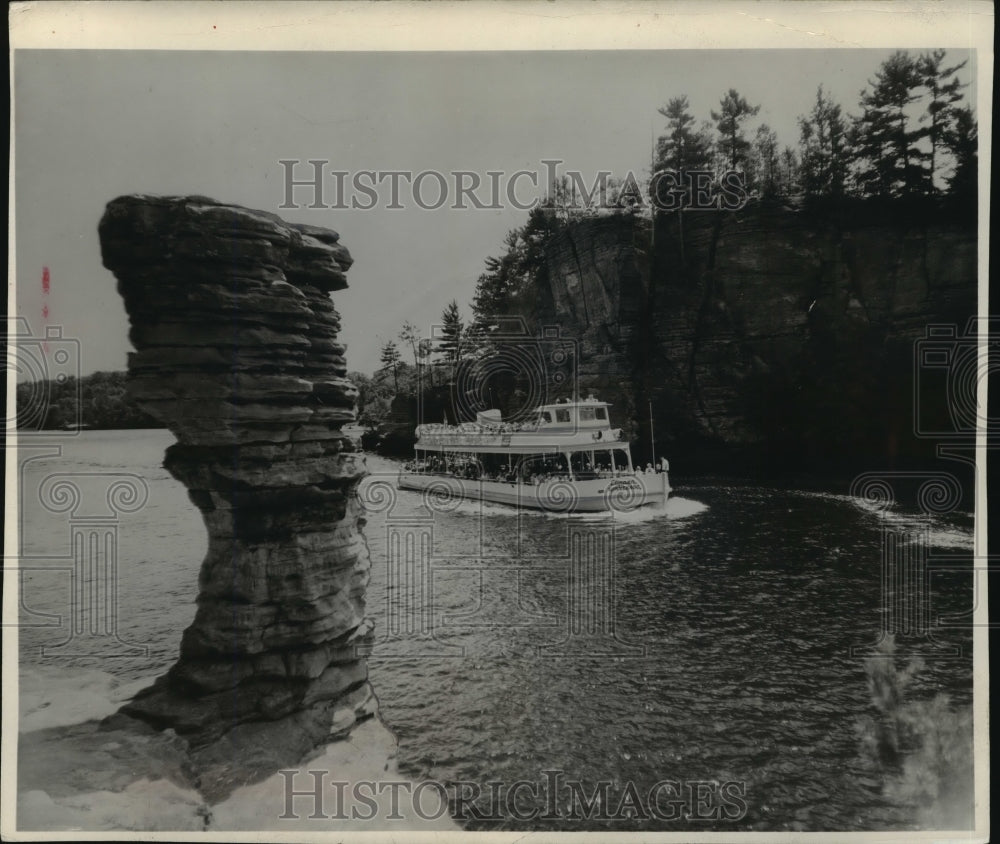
(93, 401)
(511, 281)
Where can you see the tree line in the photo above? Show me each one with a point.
(434, 362)
(95, 401)
(913, 135)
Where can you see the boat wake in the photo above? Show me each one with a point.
(940, 532)
(677, 508)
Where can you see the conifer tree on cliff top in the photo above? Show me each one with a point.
(891, 162)
(962, 140)
(766, 172)
(825, 155)
(945, 92)
(501, 289)
(790, 171)
(733, 112)
(683, 147)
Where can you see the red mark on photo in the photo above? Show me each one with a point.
(46, 283)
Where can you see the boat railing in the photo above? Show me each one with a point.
(476, 428)
(470, 433)
(473, 473)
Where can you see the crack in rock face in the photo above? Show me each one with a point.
(237, 353)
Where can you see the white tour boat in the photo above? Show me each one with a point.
(566, 459)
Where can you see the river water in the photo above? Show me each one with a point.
(721, 641)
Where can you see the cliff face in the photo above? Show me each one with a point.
(766, 334)
(237, 354)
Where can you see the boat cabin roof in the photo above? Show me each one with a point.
(567, 404)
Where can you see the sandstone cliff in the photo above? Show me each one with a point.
(766, 337)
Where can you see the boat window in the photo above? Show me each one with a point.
(545, 416)
(602, 413)
(562, 416)
(583, 465)
(586, 414)
(602, 462)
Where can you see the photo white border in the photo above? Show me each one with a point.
(511, 25)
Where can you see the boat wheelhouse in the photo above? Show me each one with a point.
(565, 458)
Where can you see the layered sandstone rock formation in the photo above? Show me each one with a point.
(237, 353)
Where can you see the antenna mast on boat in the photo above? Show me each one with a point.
(652, 441)
(652, 258)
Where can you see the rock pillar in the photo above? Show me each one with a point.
(237, 353)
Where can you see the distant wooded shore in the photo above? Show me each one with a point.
(96, 401)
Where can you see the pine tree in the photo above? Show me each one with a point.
(945, 91)
(510, 277)
(683, 148)
(492, 298)
(789, 171)
(766, 175)
(390, 359)
(450, 342)
(823, 145)
(891, 164)
(962, 141)
(729, 119)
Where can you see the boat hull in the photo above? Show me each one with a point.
(621, 493)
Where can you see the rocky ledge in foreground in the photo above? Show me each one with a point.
(237, 353)
(82, 767)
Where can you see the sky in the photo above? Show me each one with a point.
(92, 125)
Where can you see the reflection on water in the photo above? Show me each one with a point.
(710, 641)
